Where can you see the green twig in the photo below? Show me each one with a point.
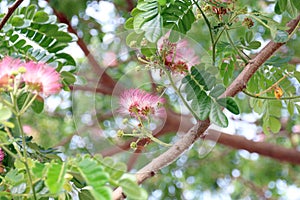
(269, 98)
(236, 49)
(19, 124)
(210, 32)
(178, 92)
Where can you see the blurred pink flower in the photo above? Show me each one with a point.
(110, 59)
(8, 66)
(41, 78)
(2, 155)
(178, 57)
(140, 104)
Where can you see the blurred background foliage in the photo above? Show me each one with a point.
(83, 121)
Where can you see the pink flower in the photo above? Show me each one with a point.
(41, 78)
(178, 57)
(140, 104)
(2, 155)
(8, 68)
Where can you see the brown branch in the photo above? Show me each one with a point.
(130, 5)
(262, 148)
(11, 10)
(105, 79)
(197, 131)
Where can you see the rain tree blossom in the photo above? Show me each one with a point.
(38, 77)
(2, 155)
(8, 70)
(41, 78)
(178, 57)
(140, 104)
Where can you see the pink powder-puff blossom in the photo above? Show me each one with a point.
(8, 69)
(41, 78)
(178, 57)
(140, 104)
(2, 155)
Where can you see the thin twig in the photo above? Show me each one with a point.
(11, 10)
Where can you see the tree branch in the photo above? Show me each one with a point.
(197, 131)
(11, 10)
(262, 148)
(105, 79)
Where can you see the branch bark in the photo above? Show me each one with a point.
(105, 81)
(197, 131)
(11, 10)
(262, 148)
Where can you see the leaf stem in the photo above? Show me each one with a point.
(272, 86)
(269, 98)
(178, 92)
(19, 124)
(24, 108)
(210, 32)
(233, 45)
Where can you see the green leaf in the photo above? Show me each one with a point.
(249, 36)
(41, 17)
(203, 108)
(254, 45)
(38, 105)
(93, 174)
(153, 29)
(296, 3)
(277, 8)
(132, 190)
(229, 104)
(55, 177)
(38, 170)
(3, 137)
(178, 17)
(217, 116)
(68, 77)
(291, 9)
(14, 177)
(217, 91)
(274, 124)
(290, 107)
(129, 23)
(282, 5)
(30, 11)
(117, 170)
(5, 113)
(17, 21)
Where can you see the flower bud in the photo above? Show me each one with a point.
(120, 133)
(133, 145)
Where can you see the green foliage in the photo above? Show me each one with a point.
(132, 190)
(36, 35)
(55, 177)
(93, 174)
(150, 17)
(178, 17)
(290, 6)
(202, 89)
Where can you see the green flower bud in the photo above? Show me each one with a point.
(133, 145)
(120, 133)
(125, 121)
(22, 70)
